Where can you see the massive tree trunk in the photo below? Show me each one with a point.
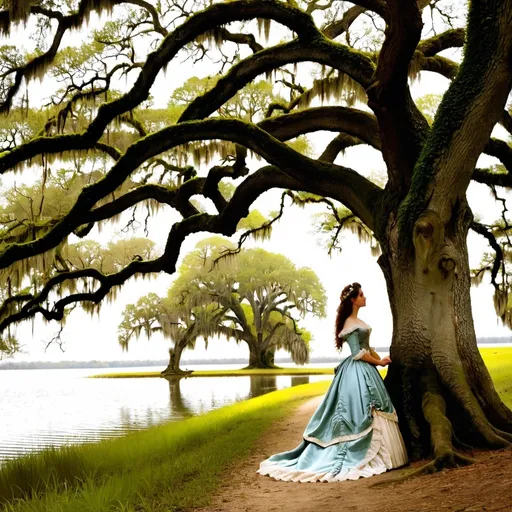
(259, 358)
(173, 368)
(438, 382)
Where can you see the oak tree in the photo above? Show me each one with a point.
(366, 52)
(255, 297)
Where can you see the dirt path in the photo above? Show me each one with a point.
(484, 486)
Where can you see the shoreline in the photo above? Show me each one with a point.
(151, 468)
(179, 464)
(101, 365)
(484, 351)
(219, 373)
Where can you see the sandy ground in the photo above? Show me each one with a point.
(484, 486)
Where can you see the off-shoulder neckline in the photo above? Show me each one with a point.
(349, 330)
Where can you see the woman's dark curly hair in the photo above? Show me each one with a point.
(350, 291)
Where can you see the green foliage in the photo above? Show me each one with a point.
(428, 105)
(254, 220)
(248, 104)
(74, 58)
(155, 119)
(20, 126)
(140, 317)
(42, 202)
(29, 211)
(9, 345)
(227, 189)
(252, 296)
(332, 223)
(302, 145)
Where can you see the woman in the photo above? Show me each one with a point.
(354, 432)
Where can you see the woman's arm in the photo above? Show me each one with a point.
(372, 360)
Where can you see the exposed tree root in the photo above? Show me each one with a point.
(494, 409)
(504, 435)
(456, 382)
(434, 410)
(500, 416)
(441, 431)
(460, 444)
(498, 413)
(448, 460)
(442, 435)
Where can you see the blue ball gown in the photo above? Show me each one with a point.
(354, 431)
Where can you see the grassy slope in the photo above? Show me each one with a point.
(169, 467)
(164, 468)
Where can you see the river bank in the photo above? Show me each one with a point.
(181, 465)
(177, 465)
(73, 409)
(220, 373)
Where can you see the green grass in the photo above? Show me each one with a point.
(494, 357)
(165, 468)
(499, 364)
(169, 467)
(222, 373)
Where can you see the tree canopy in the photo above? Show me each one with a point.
(253, 296)
(211, 148)
(115, 152)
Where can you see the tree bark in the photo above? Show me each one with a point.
(173, 368)
(259, 358)
(438, 382)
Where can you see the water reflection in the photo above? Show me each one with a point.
(213, 389)
(71, 409)
(178, 403)
(299, 380)
(261, 384)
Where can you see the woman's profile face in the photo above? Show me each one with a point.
(360, 300)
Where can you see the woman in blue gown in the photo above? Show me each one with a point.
(354, 432)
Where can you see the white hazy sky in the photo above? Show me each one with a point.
(95, 338)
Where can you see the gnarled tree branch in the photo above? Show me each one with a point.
(402, 126)
(311, 173)
(210, 18)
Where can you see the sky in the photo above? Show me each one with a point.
(95, 338)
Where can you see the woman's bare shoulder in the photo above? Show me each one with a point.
(349, 323)
(348, 327)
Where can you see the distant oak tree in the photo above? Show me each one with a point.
(253, 296)
(209, 155)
